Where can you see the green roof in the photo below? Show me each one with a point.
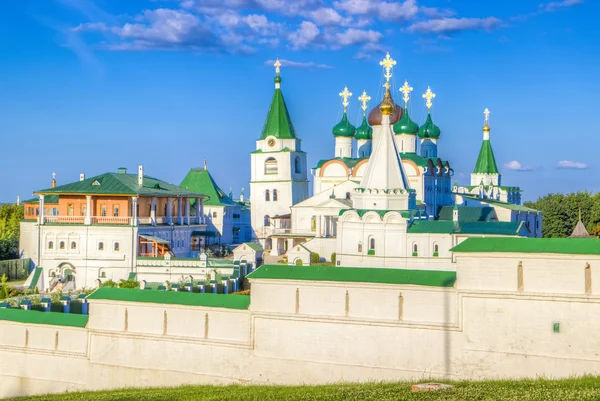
(172, 298)
(566, 246)
(36, 277)
(429, 129)
(254, 246)
(348, 161)
(479, 227)
(364, 131)
(120, 184)
(486, 163)
(344, 128)
(406, 126)
(37, 317)
(278, 122)
(468, 213)
(511, 206)
(48, 199)
(407, 214)
(199, 180)
(430, 278)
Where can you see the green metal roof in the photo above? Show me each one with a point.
(344, 128)
(172, 298)
(479, 227)
(199, 180)
(36, 277)
(37, 317)
(486, 163)
(468, 213)
(120, 184)
(254, 246)
(348, 161)
(278, 122)
(430, 278)
(406, 126)
(364, 131)
(510, 206)
(566, 246)
(48, 199)
(429, 129)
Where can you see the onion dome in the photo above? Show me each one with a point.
(344, 128)
(406, 126)
(429, 130)
(376, 113)
(364, 131)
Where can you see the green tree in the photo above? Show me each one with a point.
(10, 219)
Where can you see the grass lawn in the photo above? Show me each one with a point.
(581, 389)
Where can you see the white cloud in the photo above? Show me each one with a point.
(386, 10)
(327, 16)
(453, 25)
(568, 164)
(555, 5)
(354, 36)
(433, 12)
(298, 64)
(516, 165)
(306, 33)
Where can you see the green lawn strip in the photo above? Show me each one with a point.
(579, 389)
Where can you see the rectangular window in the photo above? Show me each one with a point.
(84, 210)
(70, 209)
(103, 210)
(116, 210)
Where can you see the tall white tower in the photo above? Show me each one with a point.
(278, 168)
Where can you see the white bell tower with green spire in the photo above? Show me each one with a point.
(486, 170)
(278, 170)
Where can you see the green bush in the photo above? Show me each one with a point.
(110, 284)
(299, 262)
(315, 257)
(333, 257)
(129, 284)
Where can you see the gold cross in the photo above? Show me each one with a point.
(345, 95)
(364, 99)
(406, 89)
(387, 63)
(486, 113)
(277, 65)
(429, 95)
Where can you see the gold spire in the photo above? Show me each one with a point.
(345, 95)
(486, 124)
(388, 63)
(364, 99)
(428, 96)
(277, 66)
(386, 106)
(406, 89)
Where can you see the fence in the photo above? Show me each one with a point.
(15, 269)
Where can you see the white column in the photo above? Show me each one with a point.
(134, 211)
(326, 226)
(41, 206)
(88, 210)
(187, 211)
(179, 211)
(319, 233)
(153, 212)
(169, 218)
(202, 211)
(198, 210)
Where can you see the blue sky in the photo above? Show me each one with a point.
(92, 85)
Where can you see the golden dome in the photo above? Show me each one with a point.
(486, 128)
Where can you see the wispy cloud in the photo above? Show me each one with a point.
(568, 164)
(516, 165)
(433, 12)
(386, 10)
(453, 25)
(555, 5)
(311, 65)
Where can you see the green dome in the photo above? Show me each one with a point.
(344, 128)
(429, 129)
(406, 126)
(364, 131)
(277, 79)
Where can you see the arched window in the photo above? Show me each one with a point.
(117, 246)
(436, 250)
(73, 245)
(415, 249)
(267, 221)
(271, 166)
(61, 245)
(347, 195)
(102, 273)
(297, 165)
(51, 245)
(267, 195)
(100, 246)
(274, 195)
(372, 243)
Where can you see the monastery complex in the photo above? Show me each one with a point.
(418, 276)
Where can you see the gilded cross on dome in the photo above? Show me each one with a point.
(428, 96)
(364, 99)
(277, 66)
(406, 89)
(486, 113)
(388, 63)
(345, 95)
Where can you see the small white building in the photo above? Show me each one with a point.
(250, 252)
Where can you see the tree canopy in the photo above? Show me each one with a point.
(561, 213)
(10, 218)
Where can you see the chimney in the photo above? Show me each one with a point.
(141, 176)
(18, 200)
(455, 214)
(81, 177)
(242, 195)
(122, 170)
(53, 180)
